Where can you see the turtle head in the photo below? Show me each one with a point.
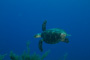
(37, 35)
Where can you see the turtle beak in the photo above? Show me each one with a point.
(37, 36)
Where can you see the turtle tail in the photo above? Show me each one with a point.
(44, 25)
(40, 45)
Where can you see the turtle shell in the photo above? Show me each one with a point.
(52, 36)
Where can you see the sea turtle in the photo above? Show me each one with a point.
(51, 36)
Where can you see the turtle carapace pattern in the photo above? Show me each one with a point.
(51, 36)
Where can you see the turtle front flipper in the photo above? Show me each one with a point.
(44, 25)
(40, 45)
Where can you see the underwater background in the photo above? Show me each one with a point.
(20, 20)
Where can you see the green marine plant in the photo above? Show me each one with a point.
(27, 56)
(64, 57)
(2, 56)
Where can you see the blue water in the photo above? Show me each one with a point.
(20, 20)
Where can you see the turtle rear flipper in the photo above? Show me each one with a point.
(40, 45)
(44, 26)
(66, 40)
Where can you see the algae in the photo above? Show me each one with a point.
(2, 56)
(27, 56)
